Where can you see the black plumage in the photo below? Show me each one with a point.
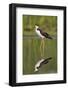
(45, 61)
(45, 34)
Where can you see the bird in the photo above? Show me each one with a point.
(40, 63)
(42, 34)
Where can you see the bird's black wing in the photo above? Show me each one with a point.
(47, 35)
(45, 61)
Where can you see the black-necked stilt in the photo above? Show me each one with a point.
(41, 33)
(40, 63)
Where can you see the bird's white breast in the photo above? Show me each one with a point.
(39, 62)
(39, 34)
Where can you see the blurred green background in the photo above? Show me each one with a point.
(31, 44)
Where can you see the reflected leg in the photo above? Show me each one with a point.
(43, 46)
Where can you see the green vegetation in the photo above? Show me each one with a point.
(31, 44)
(47, 23)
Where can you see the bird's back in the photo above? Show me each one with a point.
(43, 34)
(46, 35)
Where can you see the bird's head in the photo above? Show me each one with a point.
(36, 26)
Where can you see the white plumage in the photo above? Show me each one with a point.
(42, 34)
(38, 64)
(39, 34)
(41, 62)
